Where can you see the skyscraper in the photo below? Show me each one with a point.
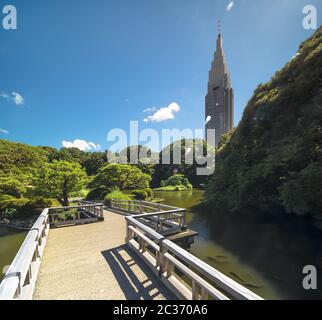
(220, 97)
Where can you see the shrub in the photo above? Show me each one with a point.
(115, 195)
(175, 180)
(12, 187)
(98, 193)
(5, 197)
(149, 192)
(24, 207)
(140, 194)
(9, 213)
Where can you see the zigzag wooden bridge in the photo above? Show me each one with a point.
(94, 261)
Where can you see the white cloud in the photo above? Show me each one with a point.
(14, 97)
(17, 98)
(150, 110)
(230, 6)
(4, 131)
(81, 145)
(163, 114)
(5, 96)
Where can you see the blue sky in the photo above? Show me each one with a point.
(75, 70)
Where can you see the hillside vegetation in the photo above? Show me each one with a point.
(272, 162)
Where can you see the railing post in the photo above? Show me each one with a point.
(184, 219)
(141, 208)
(127, 237)
(161, 259)
(195, 291)
(204, 294)
(101, 212)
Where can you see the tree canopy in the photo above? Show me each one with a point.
(121, 176)
(61, 179)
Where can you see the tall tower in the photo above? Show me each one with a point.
(220, 97)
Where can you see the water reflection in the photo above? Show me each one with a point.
(265, 255)
(10, 242)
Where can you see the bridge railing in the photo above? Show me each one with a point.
(162, 218)
(83, 213)
(21, 276)
(184, 274)
(20, 279)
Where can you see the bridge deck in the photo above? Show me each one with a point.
(92, 262)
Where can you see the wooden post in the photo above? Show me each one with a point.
(170, 268)
(204, 294)
(195, 291)
(141, 209)
(184, 222)
(161, 259)
(127, 237)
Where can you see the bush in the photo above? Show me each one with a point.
(98, 193)
(9, 213)
(115, 195)
(24, 207)
(175, 180)
(12, 187)
(140, 194)
(5, 197)
(149, 192)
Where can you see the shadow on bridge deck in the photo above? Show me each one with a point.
(121, 261)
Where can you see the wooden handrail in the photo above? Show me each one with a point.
(206, 280)
(20, 279)
(137, 208)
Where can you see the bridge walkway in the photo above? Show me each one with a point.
(92, 262)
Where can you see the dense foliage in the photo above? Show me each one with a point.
(177, 182)
(273, 161)
(190, 151)
(116, 195)
(120, 176)
(60, 180)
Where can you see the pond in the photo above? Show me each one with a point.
(10, 242)
(265, 256)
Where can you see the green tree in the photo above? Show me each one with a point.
(60, 179)
(121, 176)
(188, 149)
(94, 162)
(12, 187)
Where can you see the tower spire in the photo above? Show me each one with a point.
(219, 40)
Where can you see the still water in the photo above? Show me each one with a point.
(265, 256)
(10, 242)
